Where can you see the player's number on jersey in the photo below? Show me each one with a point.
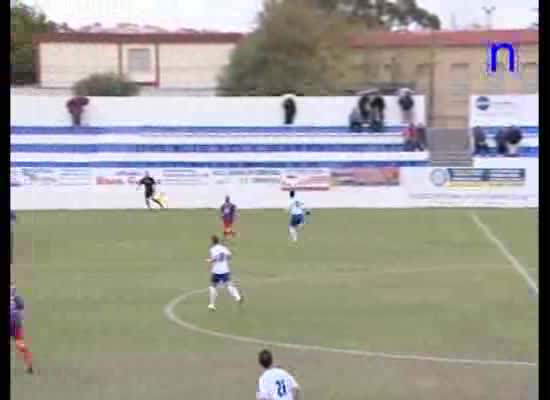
(220, 257)
(281, 388)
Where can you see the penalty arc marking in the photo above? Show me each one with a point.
(172, 316)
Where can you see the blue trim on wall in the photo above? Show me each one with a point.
(121, 130)
(217, 164)
(526, 130)
(204, 148)
(522, 152)
(221, 148)
(90, 130)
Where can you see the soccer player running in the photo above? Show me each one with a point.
(149, 183)
(297, 212)
(220, 273)
(228, 212)
(275, 383)
(12, 237)
(16, 327)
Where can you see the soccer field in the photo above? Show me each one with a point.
(422, 300)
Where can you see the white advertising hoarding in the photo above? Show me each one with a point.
(504, 110)
(490, 183)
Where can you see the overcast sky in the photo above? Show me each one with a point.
(240, 16)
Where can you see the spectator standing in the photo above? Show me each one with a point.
(290, 109)
(377, 106)
(513, 138)
(501, 141)
(406, 103)
(75, 106)
(410, 138)
(422, 137)
(481, 148)
(12, 237)
(355, 121)
(364, 108)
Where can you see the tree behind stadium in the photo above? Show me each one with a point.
(296, 48)
(381, 14)
(24, 22)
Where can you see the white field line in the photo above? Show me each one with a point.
(518, 266)
(172, 316)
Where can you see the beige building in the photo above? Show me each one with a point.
(449, 66)
(166, 60)
(446, 66)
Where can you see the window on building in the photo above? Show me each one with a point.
(361, 70)
(422, 75)
(397, 72)
(387, 72)
(460, 81)
(422, 70)
(530, 77)
(366, 69)
(373, 72)
(139, 60)
(392, 71)
(496, 80)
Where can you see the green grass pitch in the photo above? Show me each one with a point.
(413, 282)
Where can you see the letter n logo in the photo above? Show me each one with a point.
(493, 51)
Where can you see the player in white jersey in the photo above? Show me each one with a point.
(220, 273)
(297, 212)
(275, 383)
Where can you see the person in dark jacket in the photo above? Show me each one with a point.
(421, 137)
(75, 106)
(289, 106)
(481, 147)
(502, 142)
(355, 121)
(13, 220)
(410, 138)
(513, 137)
(364, 107)
(406, 103)
(377, 106)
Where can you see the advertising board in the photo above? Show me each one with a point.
(34, 176)
(503, 110)
(74, 176)
(489, 183)
(368, 176)
(306, 179)
(185, 176)
(246, 176)
(111, 176)
(477, 177)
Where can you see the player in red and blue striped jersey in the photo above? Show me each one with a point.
(16, 327)
(228, 212)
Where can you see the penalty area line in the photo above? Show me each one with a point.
(172, 316)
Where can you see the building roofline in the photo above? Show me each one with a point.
(443, 38)
(174, 37)
(379, 39)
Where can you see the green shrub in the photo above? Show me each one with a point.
(105, 85)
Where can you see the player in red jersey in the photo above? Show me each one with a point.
(16, 327)
(228, 212)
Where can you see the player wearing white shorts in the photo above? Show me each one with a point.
(220, 273)
(275, 383)
(297, 219)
